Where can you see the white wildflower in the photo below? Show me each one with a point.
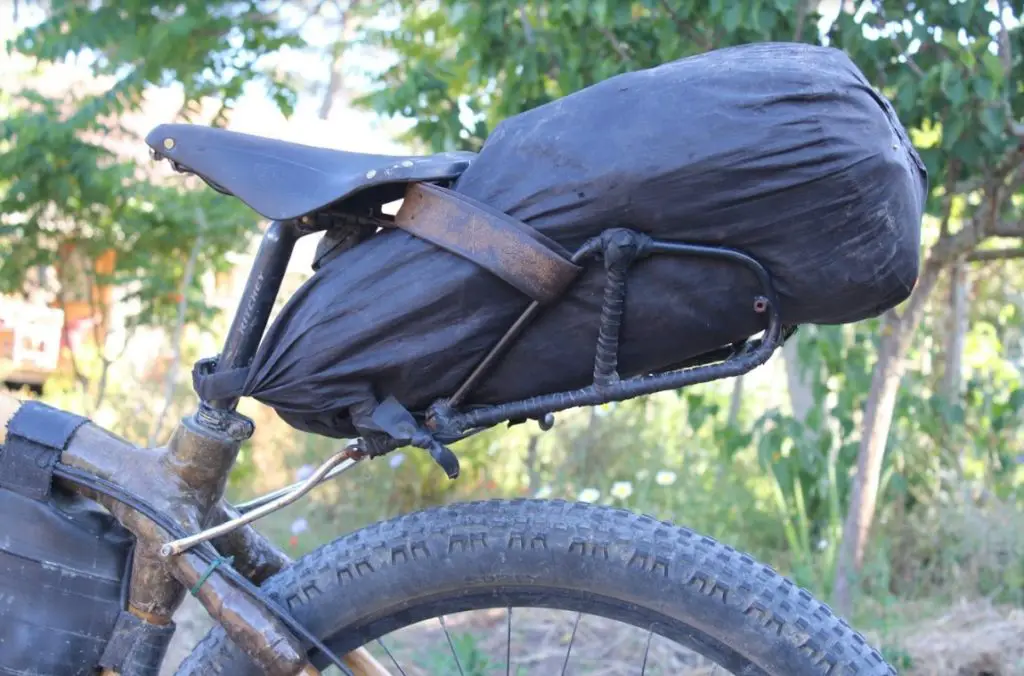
(396, 460)
(665, 478)
(589, 495)
(622, 490)
(300, 525)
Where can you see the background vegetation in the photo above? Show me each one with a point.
(881, 464)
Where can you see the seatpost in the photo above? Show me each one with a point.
(257, 301)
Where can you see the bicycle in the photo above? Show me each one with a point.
(169, 531)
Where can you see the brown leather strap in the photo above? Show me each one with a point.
(507, 248)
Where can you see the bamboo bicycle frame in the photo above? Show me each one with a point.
(185, 480)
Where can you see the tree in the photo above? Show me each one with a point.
(461, 67)
(67, 193)
(951, 70)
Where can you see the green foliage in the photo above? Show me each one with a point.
(63, 187)
(207, 48)
(940, 64)
(472, 659)
(951, 71)
(938, 552)
(461, 67)
(897, 657)
(775, 487)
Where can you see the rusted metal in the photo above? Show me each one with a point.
(508, 248)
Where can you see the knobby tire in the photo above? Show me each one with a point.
(572, 556)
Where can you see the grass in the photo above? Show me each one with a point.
(942, 592)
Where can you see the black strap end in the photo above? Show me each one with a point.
(136, 648)
(446, 458)
(36, 436)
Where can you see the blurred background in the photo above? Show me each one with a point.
(879, 464)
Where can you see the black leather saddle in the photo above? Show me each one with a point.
(283, 181)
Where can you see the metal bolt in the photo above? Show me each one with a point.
(168, 143)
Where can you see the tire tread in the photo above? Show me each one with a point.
(757, 597)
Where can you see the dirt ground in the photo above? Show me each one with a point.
(970, 639)
(540, 644)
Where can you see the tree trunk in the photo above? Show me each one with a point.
(532, 472)
(897, 332)
(801, 395)
(179, 328)
(347, 25)
(333, 82)
(735, 402)
(101, 383)
(80, 377)
(959, 287)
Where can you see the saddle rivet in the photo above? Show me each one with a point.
(168, 143)
(371, 173)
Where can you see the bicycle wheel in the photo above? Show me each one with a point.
(608, 562)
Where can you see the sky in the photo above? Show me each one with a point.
(346, 129)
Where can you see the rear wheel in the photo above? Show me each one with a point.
(665, 580)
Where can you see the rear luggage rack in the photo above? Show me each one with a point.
(532, 264)
(619, 248)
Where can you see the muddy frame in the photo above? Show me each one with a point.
(184, 480)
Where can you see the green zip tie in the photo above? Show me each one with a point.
(209, 571)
